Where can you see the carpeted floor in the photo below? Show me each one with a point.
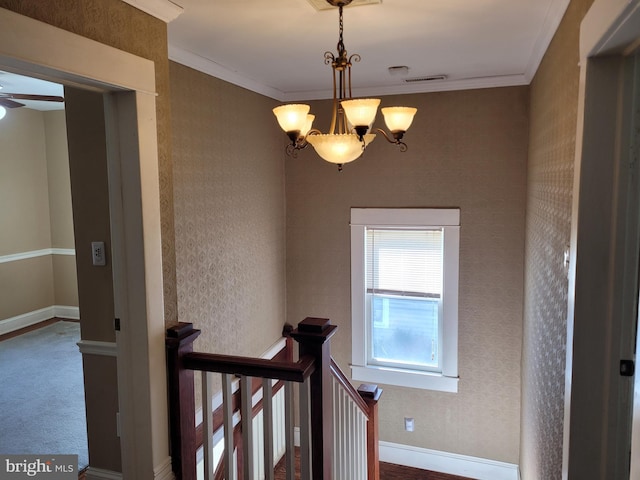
(42, 394)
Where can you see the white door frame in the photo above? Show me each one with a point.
(34, 48)
(603, 268)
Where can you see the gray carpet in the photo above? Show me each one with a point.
(42, 393)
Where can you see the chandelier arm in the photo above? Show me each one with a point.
(329, 58)
(291, 150)
(396, 141)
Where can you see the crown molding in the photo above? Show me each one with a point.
(426, 87)
(552, 20)
(209, 67)
(165, 10)
(204, 65)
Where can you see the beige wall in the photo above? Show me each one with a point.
(468, 150)
(26, 286)
(23, 183)
(34, 188)
(57, 154)
(230, 213)
(554, 101)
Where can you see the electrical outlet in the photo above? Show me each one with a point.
(98, 255)
(408, 424)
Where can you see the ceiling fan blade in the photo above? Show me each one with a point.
(24, 96)
(7, 103)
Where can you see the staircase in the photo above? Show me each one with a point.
(250, 426)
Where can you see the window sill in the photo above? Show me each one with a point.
(405, 378)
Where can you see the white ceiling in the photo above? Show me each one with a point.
(277, 47)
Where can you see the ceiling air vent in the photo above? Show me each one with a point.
(430, 78)
(323, 5)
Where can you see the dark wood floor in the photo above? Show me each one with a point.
(398, 472)
(388, 471)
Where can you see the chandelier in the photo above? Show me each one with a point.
(351, 120)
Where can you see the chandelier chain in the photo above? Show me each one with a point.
(341, 41)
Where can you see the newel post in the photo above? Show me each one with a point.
(182, 409)
(371, 394)
(313, 334)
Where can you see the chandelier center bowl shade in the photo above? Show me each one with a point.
(352, 119)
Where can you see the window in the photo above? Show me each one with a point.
(404, 294)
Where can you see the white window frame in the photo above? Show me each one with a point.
(448, 219)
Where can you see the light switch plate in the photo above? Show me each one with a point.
(98, 254)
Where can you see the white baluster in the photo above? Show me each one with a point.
(207, 425)
(290, 460)
(227, 418)
(267, 418)
(247, 426)
(305, 431)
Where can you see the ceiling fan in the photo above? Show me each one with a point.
(8, 100)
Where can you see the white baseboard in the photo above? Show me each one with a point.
(449, 463)
(65, 311)
(31, 318)
(164, 471)
(100, 474)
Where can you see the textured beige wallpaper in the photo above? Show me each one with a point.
(229, 207)
(554, 100)
(467, 149)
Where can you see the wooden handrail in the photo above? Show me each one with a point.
(339, 375)
(251, 367)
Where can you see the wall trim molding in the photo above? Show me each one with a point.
(449, 463)
(93, 473)
(164, 470)
(555, 14)
(204, 65)
(66, 311)
(93, 347)
(14, 257)
(164, 10)
(31, 318)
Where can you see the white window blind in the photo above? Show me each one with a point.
(404, 262)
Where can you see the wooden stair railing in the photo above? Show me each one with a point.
(365, 399)
(318, 376)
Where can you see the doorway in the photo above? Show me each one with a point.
(43, 400)
(605, 243)
(125, 370)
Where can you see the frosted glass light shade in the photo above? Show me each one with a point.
(307, 125)
(292, 117)
(337, 148)
(398, 119)
(361, 111)
(3, 112)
